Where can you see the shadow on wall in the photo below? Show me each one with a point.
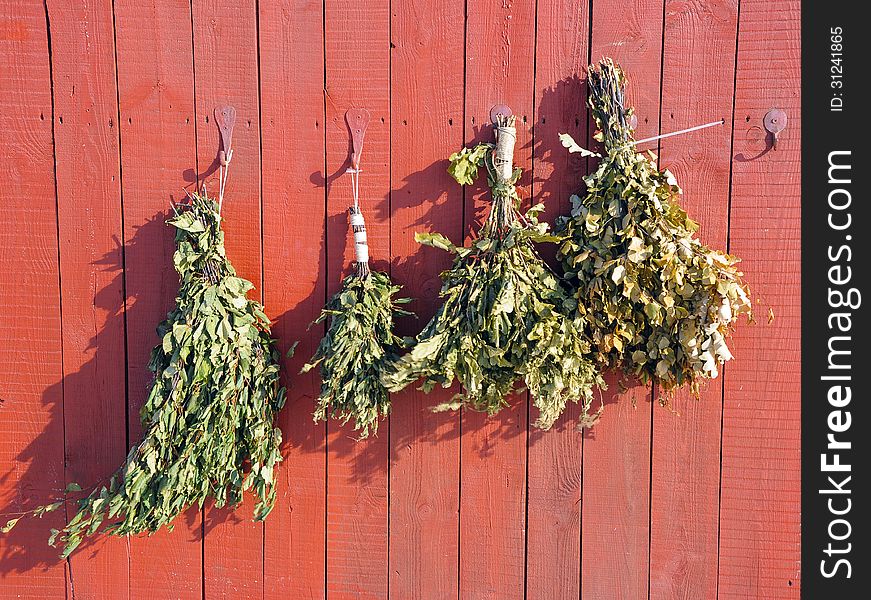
(562, 109)
(557, 174)
(432, 196)
(26, 547)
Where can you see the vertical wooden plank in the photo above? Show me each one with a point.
(562, 55)
(616, 479)
(292, 108)
(226, 72)
(91, 269)
(761, 502)
(427, 117)
(357, 42)
(158, 158)
(698, 77)
(631, 34)
(555, 457)
(500, 47)
(31, 427)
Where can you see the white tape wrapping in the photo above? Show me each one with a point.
(506, 136)
(361, 247)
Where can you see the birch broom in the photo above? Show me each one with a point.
(208, 419)
(659, 302)
(359, 342)
(504, 317)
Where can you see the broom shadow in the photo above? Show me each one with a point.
(25, 548)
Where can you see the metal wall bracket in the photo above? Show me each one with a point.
(225, 117)
(499, 109)
(774, 122)
(358, 120)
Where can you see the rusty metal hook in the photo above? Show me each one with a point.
(358, 120)
(225, 117)
(774, 122)
(499, 110)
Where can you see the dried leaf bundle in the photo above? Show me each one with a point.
(504, 313)
(356, 349)
(660, 303)
(208, 419)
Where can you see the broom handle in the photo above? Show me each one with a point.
(682, 131)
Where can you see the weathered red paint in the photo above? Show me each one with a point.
(427, 115)
(686, 446)
(294, 276)
(651, 504)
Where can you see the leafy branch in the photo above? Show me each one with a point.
(208, 418)
(659, 302)
(355, 350)
(504, 317)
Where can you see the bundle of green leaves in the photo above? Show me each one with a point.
(660, 303)
(504, 316)
(357, 348)
(208, 420)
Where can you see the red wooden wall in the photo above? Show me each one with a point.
(105, 114)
